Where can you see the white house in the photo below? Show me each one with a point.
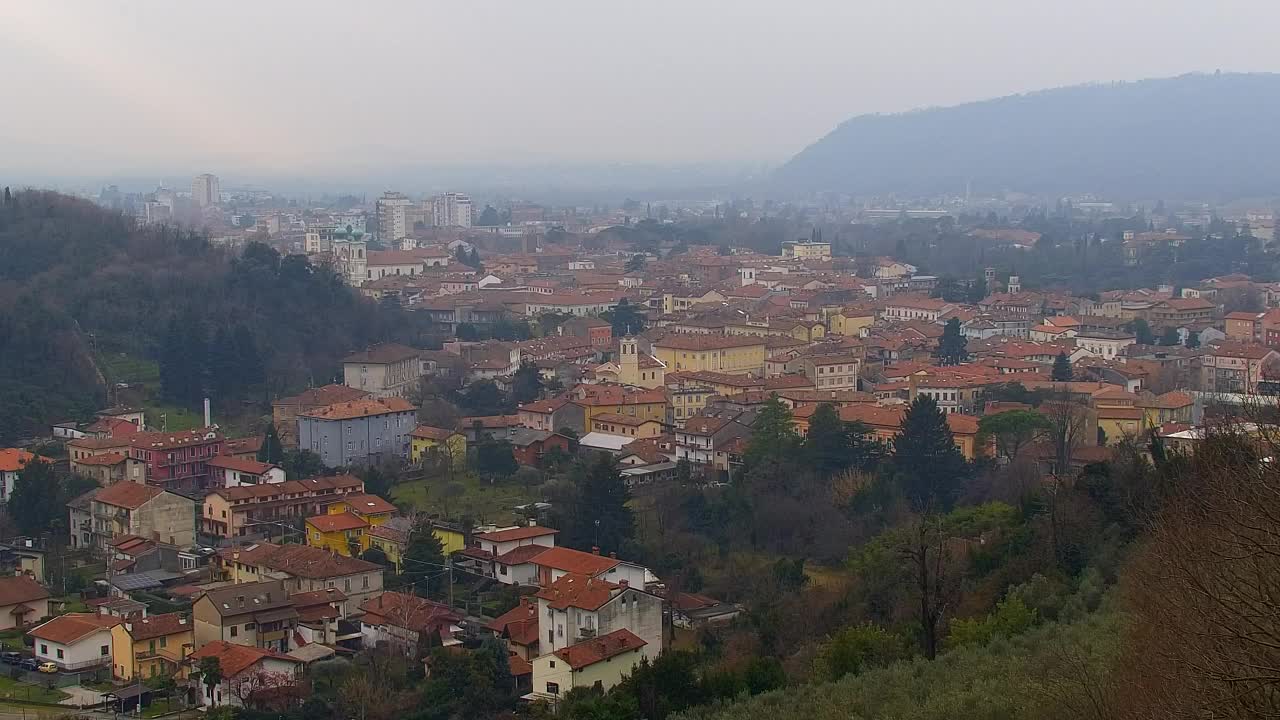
(22, 601)
(245, 671)
(1105, 344)
(576, 608)
(75, 641)
(506, 554)
(228, 471)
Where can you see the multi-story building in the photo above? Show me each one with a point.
(351, 261)
(206, 190)
(1108, 345)
(707, 439)
(258, 614)
(304, 569)
(619, 400)
(452, 210)
(358, 432)
(343, 528)
(737, 354)
(578, 607)
(132, 509)
(1180, 312)
(151, 646)
(12, 461)
(832, 372)
(1237, 368)
(914, 307)
(177, 460)
(392, 210)
(253, 509)
(806, 250)
(384, 370)
(284, 412)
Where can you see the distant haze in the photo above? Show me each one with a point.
(331, 90)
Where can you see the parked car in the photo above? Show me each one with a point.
(10, 658)
(29, 664)
(48, 667)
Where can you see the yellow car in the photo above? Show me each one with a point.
(48, 667)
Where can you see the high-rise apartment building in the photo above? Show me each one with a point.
(393, 221)
(205, 190)
(453, 210)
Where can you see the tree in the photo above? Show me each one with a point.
(856, 648)
(1013, 430)
(952, 348)
(375, 555)
(1142, 332)
(774, 433)
(606, 521)
(832, 445)
(1061, 368)
(930, 468)
(36, 501)
(627, 319)
(1193, 340)
(423, 560)
(488, 217)
(526, 384)
(302, 464)
(271, 450)
(635, 263)
(1171, 337)
(211, 677)
(495, 459)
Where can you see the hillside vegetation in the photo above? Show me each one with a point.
(79, 284)
(1207, 136)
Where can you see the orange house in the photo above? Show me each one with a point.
(885, 422)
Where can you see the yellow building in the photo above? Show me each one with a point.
(392, 538)
(633, 367)
(151, 646)
(598, 663)
(451, 443)
(602, 399)
(343, 530)
(625, 426)
(736, 355)
(851, 321)
(806, 250)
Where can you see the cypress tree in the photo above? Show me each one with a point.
(1062, 369)
(930, 467)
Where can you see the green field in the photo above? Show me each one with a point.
(122, 368)
(471, 498)
(11, 689)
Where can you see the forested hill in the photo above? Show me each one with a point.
(79, 283)
(1193, 136)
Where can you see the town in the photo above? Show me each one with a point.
(539, 502)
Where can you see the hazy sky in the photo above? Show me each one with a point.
(309, 86)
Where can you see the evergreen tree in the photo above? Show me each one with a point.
(773, 435)
(36, 501)
(423, 562)
(626, 319)
(1142, 332)
(826, 447)
(8, 197)
(930, 468)
(249, 366)
(495, 460)
(1171, 337)
(526, 384)
(271, 451)
(951, 346)
(1062, 368)
(1193, 340)
(605, 520)
(474, 259)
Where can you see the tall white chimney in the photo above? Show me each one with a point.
(207, 419)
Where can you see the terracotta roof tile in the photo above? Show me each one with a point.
(129, 495)
(518, 533)
(590, 652)
(20, 589)
(364, 407)
(67, 629)
(336, 523)
(154, 626)
(575, 561)
(578, 591)
(235, 659)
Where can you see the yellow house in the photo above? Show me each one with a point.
(851, 321)
(343, 530)
(625, 425)
(151, 646)
(392, 538)
(451, 443)
(733, 354)
(600, 662)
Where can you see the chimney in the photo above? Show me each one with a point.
(208, 420)
(613, 555)
(533, 522)
(624, 584)
(182, 621)
(128, 627)
(595, 549)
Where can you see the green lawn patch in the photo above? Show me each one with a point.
(11, 689)
(471, 497)
(123, 368)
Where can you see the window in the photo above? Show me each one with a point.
(59, 653)
(163, 641)
(553, 664)
(553, 688)
(250, 626)
(44, 649)
(346, 585)
(365, 582)
(235, 631)
(104, 650)
(551, 637)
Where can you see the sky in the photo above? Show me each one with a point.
(312, 87)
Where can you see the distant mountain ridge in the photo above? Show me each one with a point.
(1192, 136)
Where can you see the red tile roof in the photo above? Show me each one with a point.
(579, 591)
(590, 652)
(518, 533)
(575, 561)
(154, 626)
(104, 459)
(235, 659)
(407, 611)
(521, 555)
(20, 589)
(67, 629)
(129, 495)
(321, 396)
(426, 432)
(252, 467)
(336, 523)
(13, 459)
(380, 354)
(692, 341)
(362, 408)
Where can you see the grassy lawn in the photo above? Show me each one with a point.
(122, 368)
(33, 711)
(103, 686)
(11, 689)
(471, 498)
(73, 604)
(11, 639)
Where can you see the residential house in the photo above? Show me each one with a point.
(1174, 406)
(305, 568)
(384, 371)
(733, 354)
(227, 471)
(707, 439)
(1244, 327)
(577, 607)
(75, 642)
(1108, 345)
(144, 510)
(402, 623)
(529, 446)
(1179, 312)
(885, 423)
(552, 415)
(319, 612)
(342, 529)
(449, 445)
(519, 628)
(248, 509)
(107, 468)
(12, 461)
(1237, 367)
(177, 460)
(22, 602)
(248, 673)
(832, 372)
(504, 554)
(596, 331)
(151, 646)
(598, 663)
(614, 424)
(258, 614)
(649, 404)
(284, 412)
(392, 538)
(359, 431)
